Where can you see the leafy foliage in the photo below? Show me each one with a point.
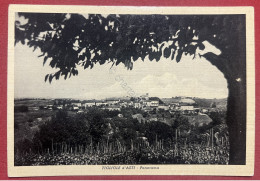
(20, 108)
(181, 122)
(97, 126)
(70, 40)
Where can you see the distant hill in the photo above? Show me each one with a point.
(178, 100)
(171, 100)
(187, 101)
(156, 99)
(32, 102)
(200, 102)
(220, 103)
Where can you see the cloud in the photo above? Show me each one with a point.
(168, 85)
(113, 90)
(165, 78)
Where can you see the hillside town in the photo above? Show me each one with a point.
(143, 129)
(151, 106)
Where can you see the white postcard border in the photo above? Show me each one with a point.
(224, 170)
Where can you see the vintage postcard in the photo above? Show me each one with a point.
(114, 90)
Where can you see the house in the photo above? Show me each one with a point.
(77, 104)
(80, 111)
(153, 118)
(173, 107)
(100, 103)
(49, 107)
(89, 103)
(204, 110)
(147, 103)
(112, 101)
(39, 119)
(186, 107)
(164, 107)
(122, 103)
(196, 109)
(120, 115)
(75, 108)
(137, 105)
(113, 108)
(154, 103)
(59, 107)
(130, 103)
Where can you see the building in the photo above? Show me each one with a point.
(77, 104)
(100, 103)
(120, 115)
(186, 107)
(113, 108)
(137, 105)
(122, 103)
(89, 103)
(80, 111)
(154, 103)
(164, 107)
(147, 103)
(59, 107)
(147, 109)
(153, 118)
(204, 110)
(75, 108)
(50, 107)
(112, 101)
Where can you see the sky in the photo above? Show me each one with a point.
(166, 78)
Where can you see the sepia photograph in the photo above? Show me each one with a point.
(123, 92)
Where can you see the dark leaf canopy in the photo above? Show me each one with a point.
(71, 40)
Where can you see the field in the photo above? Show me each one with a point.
(191, 154)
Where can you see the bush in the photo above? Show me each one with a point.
(20, 108)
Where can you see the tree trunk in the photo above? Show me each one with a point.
(236, 121)
(234, 70)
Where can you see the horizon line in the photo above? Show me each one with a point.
(112, 97)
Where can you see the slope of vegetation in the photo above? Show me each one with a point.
(114, 140)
